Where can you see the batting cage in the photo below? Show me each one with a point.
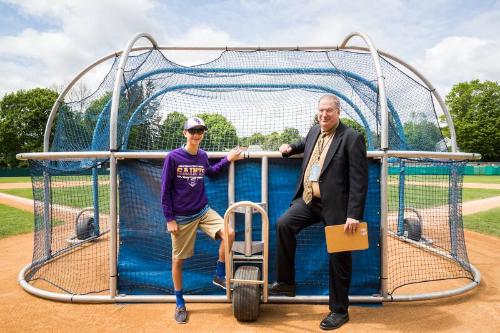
(100, 233)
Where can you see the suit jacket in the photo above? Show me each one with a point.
(343, 180)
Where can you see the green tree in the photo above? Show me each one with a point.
(254, 139)
(23, 116)
(357, 126)
(221, 134)
(422, 134)
(290, 135)
(475, 109)
(171, 131)
(95, 108)
(145, 129)
(84, 124)
(272, 141)
(444, 126)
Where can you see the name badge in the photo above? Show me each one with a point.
(314, 175)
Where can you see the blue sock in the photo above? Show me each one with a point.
(179, 300)
(220, 269)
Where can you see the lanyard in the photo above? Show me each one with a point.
(322, 145)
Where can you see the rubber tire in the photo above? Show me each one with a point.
(85, 228)
(246, 297)
(412, 229)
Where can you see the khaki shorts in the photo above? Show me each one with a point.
(183, 241)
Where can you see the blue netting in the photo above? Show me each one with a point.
(425, 224)
(144, 263)
(250, 92)
(257, 99)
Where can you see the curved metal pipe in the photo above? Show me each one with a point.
(113, 179)
(434, 92)
(113, 156)
(192, 70)
(60, 98)
(384, 145)
(314, 70)
(247, 48)
(117, 86)
(381, 84)
(74, 298)
(246, 86)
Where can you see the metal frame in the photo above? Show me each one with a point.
(113, 155)
(68, 156)
(113, 176)
(73, 298)
(384, 146)
(265, 252)
(434, 92)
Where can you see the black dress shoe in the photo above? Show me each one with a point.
(334, 321)
(282, 289)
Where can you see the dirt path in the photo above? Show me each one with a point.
(476, 206)
(8, 186)
(481, 185)
(16, 202)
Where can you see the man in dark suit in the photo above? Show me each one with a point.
(332, 189)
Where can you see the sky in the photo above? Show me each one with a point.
(45, 43)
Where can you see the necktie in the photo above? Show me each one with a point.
(316, 153)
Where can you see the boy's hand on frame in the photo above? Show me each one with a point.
(235, 154)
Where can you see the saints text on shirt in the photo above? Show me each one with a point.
(190, 171)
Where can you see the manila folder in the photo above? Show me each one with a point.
(338, 241)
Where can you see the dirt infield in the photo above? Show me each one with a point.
(476, 311)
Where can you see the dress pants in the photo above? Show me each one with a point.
(299, 216)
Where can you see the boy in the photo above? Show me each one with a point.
(185, 205)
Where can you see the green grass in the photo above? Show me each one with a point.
(20, 192)
(430, 196)
(76, 196)
(15, 179)
(482, 179)
(487, 222)
(54, 178)
(478, 193)
(14, 221)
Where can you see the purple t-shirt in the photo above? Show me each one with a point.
(183, 184)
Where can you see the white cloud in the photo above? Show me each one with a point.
(458, 58)
(199, 36)
(86, 30)
(78, 32)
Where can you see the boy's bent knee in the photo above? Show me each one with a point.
(222, 234)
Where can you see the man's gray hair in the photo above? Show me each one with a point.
(335, 99)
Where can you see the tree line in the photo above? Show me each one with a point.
(474, 107)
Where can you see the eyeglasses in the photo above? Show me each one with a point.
(194, 131)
